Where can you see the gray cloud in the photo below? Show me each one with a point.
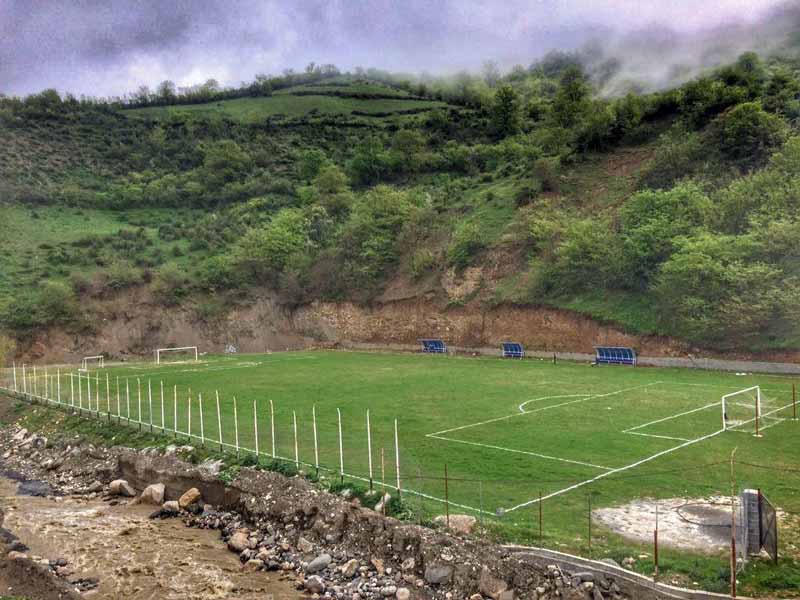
(113, 46)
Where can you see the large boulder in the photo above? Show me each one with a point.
(153, 494)
(240, 540)
(491, 586)
(438, 574)
(190, 496)
(120, 487)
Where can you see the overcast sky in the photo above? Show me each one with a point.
(112, 46)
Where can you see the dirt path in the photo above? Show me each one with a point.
(132, 556)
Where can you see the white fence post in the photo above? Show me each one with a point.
(175, 411)
(80, 394)
(58, 374)
(14, 367)
(119, 404)
(272, 425)
(397, 457)
(71, 389)
(139, 396)
(108, 397)
(189, 416)
(89, 391)
(202, 424)
(255, 426)
(341, 447)
(128, 399)
(236, 425)
(150, 403)
(219, 425)
(296, 448)
(316, 446)
(163, 416)
(369, 450)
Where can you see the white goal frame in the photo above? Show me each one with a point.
(158, 352)
(757, 408)
(101, 362)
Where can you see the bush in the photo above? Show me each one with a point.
(464, 245)
(746, 134)
(170, 284)
(421, 262)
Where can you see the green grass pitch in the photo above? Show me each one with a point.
(508, 430)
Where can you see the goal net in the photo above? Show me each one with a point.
(183, 354)
(751, 411)
(88, 362)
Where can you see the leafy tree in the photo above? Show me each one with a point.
(224, 162)
(781, 92)
(332, 190)
(465, 244)
(370, 162)
(408, 144)
(505, 111)
(746, 134)
(311, 162)
(572, 98)
(263, 251)
(166, 92)
(652, 223)
(712, 291)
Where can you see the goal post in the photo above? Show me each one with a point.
(98, 361)
(184, 353)
(751, 411)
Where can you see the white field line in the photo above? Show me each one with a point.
(636, 464)
(653, 435)
(675, 416)
(582, 398)
(615, 471)
(246, 365)
(521, 407)
(566, 460)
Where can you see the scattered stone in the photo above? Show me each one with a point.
(491, 586)
(349, 568)
(120, 487)
(189, 497)
(252, 565)
(314, 584)
(172, 506)
(239, 541)
(378, 564)
(382, 503)
(153, 494)
(438, 575)
(94, 488)
(304, 546)
(403, 594)
(318, 564)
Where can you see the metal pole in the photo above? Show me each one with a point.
(175, 410)
(128, 399)
(236, 424)
(219, 425)
(369, 450)
(202, 424)
(71, 388)
(655, 546)
(541, 522)
(255, 426)
(139, 396)
(119, 407)
(733, 526)
(80, 395)
(589, 498)
(446, 498)
(150, 403)
(272, 425)
(397, 456)
(108, 398)
(14, 369)
(341, 452)
(58, 376)
(89, 391)
(296, 451)
(316, 447)
(794, 399)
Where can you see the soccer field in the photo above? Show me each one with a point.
(508, 431)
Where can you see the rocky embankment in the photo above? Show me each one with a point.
(327, 545)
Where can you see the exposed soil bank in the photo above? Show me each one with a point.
(130, 555)
(132, 325)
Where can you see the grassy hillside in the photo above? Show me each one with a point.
(670, 213)
(286, 104)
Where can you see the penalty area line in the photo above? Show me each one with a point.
(526, 452)
(615, 471)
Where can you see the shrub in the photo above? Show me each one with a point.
(464, 245)
(421, 262)
(170, 285)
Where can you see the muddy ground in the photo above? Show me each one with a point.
(128, 554)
